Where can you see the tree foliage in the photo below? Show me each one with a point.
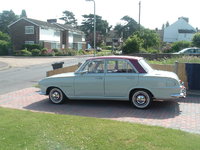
(6, 18)
(23, 14)
(4, 43)
(128, 29)
(196, 40)
(102, 28)
(132, 45)
(69, 18)
(151, 38)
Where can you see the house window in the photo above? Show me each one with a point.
(29, 42)
(29, 29)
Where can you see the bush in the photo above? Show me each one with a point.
(196, 40)
(36, 52)
(47, 52)
(132, 45)
(31, 46)
(25, 52)
(4, 46)
(69, 52)
(177, 46)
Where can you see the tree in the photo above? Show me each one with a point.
(23, 14)
(6, 18)
(150, 38)
(4, 43)
(132, 45)
(128, 29)
(196, 40)
(102, 28)
(69, 18)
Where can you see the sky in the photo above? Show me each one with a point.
(154, 13)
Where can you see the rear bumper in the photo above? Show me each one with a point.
(182, 93)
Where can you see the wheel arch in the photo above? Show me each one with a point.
(138, 89)
(51, 87)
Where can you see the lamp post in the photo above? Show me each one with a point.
(94, 25)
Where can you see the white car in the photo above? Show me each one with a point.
(191, 50)
(114, 78)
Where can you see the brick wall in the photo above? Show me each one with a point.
(18, 36)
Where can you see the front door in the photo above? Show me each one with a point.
(90, 83)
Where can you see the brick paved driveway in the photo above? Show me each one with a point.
(183, 114)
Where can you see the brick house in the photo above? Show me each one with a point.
(48, 34)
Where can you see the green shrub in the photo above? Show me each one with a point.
(69, 52)
(4, 46)
(55, 50)
(31, 46)
(25, 52)
(177, 46)
(196, 40)
(36, 52)
(132, 45)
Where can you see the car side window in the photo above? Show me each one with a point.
(119, 66)
(96, 66)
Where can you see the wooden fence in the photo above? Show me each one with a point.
(178, 68)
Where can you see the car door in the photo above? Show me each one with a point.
(90, 82)
(120, 77)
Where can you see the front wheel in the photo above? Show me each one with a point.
(56, 96)
(141, 99)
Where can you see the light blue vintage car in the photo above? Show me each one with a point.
(114, 78)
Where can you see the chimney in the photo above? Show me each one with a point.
(185, 18)
(52, 20)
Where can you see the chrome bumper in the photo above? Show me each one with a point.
(182, 94)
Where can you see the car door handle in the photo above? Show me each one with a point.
(99, 78)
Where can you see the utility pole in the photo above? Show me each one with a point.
(139, 13)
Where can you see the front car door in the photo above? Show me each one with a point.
(90, 83)
(120, 77)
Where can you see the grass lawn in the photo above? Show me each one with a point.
(35, 131)
(183, 59)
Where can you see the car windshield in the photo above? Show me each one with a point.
(145, 65)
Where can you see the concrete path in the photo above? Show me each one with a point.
(183, 114)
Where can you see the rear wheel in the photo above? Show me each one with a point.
(141, 99)
(56, 96)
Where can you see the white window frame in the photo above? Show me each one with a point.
(29, 42)
(29, 29)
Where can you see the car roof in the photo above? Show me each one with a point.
(117, 57)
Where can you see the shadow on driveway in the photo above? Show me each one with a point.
(108, 109)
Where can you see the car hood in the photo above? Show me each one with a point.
(160, 73)
(70, 74)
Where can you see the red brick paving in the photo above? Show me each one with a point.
(183, 114)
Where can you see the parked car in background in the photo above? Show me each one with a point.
(114, 78)
(191, 50)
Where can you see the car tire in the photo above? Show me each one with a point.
(141, 99)
(56, 96)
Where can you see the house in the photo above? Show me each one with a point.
(113, 39)
(48, 34)
(181, 30)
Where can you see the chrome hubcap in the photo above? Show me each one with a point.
(141, 99)
(55, 95)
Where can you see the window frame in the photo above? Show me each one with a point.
(28, 29)
(125, 60)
